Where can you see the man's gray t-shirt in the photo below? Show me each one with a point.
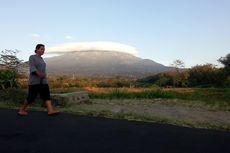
(36, 63)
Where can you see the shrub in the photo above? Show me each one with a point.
(8, 79)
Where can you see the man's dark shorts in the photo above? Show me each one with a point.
(41, 89)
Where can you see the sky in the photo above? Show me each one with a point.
(195, 31)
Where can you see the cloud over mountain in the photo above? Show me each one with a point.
(96, 46)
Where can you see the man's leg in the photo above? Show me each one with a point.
(50, 109)
(23, 108)
(32, 94)
(45, 95)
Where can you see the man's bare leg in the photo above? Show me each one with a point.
(50, 108)
(23, 108)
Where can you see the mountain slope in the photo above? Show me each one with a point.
(102, 63)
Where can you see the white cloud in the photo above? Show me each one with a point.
(68, 37)
(35, 35)
(98, 45)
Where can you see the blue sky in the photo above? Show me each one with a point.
(195, 31)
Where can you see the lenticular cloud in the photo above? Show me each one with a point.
(93, 46)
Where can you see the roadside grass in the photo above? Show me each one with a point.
(205, 98)
(204, 94)
(214, 99)
(95, 111)
(123, 94)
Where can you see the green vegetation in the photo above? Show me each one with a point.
(8, 79)
(206, 75)
(117, 84)
(8, 69)
(203, 94)
(205, 98)
(208, 98)
(9, 60)
(123, 94)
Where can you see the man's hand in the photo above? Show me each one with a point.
(40, 74)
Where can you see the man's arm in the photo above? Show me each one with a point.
(33, 68)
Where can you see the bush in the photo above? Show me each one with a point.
(8, 79)
(118, 84)
(206, 75)
(104, 85)
(12, 97)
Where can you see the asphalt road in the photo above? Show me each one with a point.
(66, 133)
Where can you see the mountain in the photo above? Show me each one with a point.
(102, 64)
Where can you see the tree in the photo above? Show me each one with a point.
(178, 64)
(180, 75)
(226, 62)
(204, 75)
(225, 72)
(9, 69)
(9, 60)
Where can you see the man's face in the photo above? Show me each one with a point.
(41, 50)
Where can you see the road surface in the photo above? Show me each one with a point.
(66, 133)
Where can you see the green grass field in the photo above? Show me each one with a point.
(216, 98)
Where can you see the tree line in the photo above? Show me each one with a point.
(203, 75)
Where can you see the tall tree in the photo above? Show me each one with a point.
(9, 60)
(9, 69)
(226, 62)
(180, 76)
(225, 72)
